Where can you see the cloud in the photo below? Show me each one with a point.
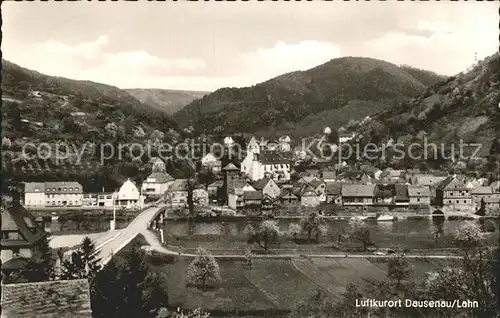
(266, 63)
(91, 61)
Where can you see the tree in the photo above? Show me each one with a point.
(196, 313)
(249, 233)
(248, 257)
(128, 289)
(310, 224)
(267, 234)
(398, 269)
(317, 306)
(346, 307)
(437, 230)
(84, 262)
(203, 270)
(294, 231)
(360, 231)
(40, 266)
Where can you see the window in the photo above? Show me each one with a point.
(458, 201)
(58, 189)
(70, 189)
(64, 189)
(465, 201)
(108, 197)
(418, 199)
(15, 251)
(449, 201)
(48, 190)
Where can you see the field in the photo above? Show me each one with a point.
(270, 287)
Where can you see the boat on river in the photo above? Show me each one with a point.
(385, 218)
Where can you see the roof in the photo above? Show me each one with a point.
(452, 183)
(419, 191)
(261, 183)
(230, 167)
(289, 195)
(429, 180)
(32, 187)
(216, 184)
(15, 263)
(358, 190)
(315, 183)
(482, 190)
(59, 186)
(401, 192)
(327, 174)
(178, 185)
(309, 193)
(60, 298)
(252, 195)
(333, 188)
(17, 218)
(159, 177)
(385, 190)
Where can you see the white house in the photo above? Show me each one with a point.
(209, 161)
(228, 141)
(345, 137)
(34, 194)
(267, 187)
(128, 196)
(284, 143)
(253, 146)
(266, 164)
(54, 194)
(156, 184)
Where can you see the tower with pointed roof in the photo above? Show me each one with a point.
(231, 175)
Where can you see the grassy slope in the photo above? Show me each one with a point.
(296, 100)
(167, 100)
(465, 106)
(101, 104)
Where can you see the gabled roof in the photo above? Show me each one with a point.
(230, 167)
(333, 188)
(59, 187)
(60, 298)
(289, 195)
(17, 218)
(159, 177)
(34, 187)
(216, 184)
(327, 174)
(452, 183)
(261, 183)
(401, 192)
(309, 193)
(315, 183)
(358, 190)
(419, 191)
(252, 195)
(385, 190)
(482, 190)
(427, 180)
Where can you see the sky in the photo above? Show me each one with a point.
(209, 45)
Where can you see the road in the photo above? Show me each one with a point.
(139, 225)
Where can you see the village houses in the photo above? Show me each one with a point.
(268, 187)
(53, 194)
(452, 193)
(21, 237)
(211, 163)
(419, 195)
(358, 194)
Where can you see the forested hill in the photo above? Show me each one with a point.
(38, 108)
(301, 103)
(167, 100)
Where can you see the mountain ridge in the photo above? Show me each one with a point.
(281, 103)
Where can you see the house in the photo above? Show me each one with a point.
(177, 194)
(53, 194)
(385, 194)
(334, 192)
(318, 186)
(34, 194)
(128, 195)
(419, 195)
(427, 180)
(310, 198)
(328, 175)
(268, 202)
(252, 198)
(58, 298)
(454, 194)
(402, 197)
(270, 164)
(236, 198)
(90, 199)
(284, 143)
(288, 198)
(478, 193)
(493, 202)
(211, 163)
(306, 179)
(105, 199)
(214, 187)
(21, 237)
(228, 141)
(345, 137)
(156, 184)
(268, 187)
(495, 186)
(358, 194)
